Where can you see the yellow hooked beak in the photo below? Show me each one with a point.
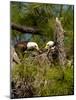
(46, 47)
(37, 48)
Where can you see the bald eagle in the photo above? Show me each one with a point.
(49, 45)
(24, 45)
(52, 50)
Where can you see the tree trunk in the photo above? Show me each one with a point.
(59, 40)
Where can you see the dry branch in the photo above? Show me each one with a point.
(59, 40)
(24, 29)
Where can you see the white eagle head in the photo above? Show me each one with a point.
(32, 45)
(49, 44)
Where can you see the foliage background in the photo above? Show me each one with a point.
(44, 80)
(43, 16)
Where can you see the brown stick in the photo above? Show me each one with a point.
(25, 29)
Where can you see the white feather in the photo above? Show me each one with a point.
(50, 43)
(31, 45)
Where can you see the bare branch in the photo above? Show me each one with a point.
(24, 29)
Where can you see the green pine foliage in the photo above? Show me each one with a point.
(45, 80)
(32, 78)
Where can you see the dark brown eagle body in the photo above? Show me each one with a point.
(20, 47)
